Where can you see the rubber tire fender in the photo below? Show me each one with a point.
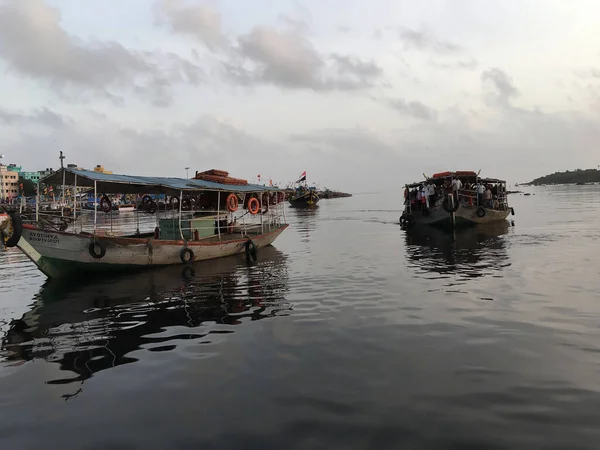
(17, 226)
(250, 249)
(92, 249)
(186, 251)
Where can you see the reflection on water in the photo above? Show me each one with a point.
(305, 221)
(94, 324)
(472, 252)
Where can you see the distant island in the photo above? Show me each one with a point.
(578, 176)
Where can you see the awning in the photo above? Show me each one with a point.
(130, 184)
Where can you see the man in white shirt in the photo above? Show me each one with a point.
(480, 190)
(456, 184)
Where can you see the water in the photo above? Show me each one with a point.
(348, 333)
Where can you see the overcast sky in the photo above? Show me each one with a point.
(363, 95)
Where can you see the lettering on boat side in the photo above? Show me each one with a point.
(43, 237)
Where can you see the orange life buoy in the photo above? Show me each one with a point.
(232, 202)
(253, 206)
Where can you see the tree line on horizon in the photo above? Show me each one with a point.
(569, 177)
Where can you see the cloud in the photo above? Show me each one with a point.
(412, 109)
(344, 29)
(425, 41)
(503, 88)
(33, 43)
(468, 64)
(199, 21)
(285, 58)
(42, 116)
(267, 55)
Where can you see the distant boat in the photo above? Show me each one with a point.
(304, 197)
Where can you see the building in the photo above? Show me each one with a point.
(32, 176)
(9, 183)
(15, 168)
(45, 173)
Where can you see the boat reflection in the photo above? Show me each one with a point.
(305, 221)
(473, 252)
(94, 325)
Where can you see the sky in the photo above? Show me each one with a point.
(364, 96)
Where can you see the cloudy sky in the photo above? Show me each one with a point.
(362, 95)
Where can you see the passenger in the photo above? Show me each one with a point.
(480, 189)
(456, 184)
(431, 191)
(487, 197)
(419, 199)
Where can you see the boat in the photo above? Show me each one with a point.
(450, 199)
(304, 197)
(234, 219)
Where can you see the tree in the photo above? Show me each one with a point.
(26, 187)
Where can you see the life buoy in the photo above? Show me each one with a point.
(250, 248)
(11, 234)
(105, 204)
(186, 255)
(446, 206)
(97, 250)
(232, 202)
(253, 206)
(480, 212)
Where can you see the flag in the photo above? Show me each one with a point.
(302, 177)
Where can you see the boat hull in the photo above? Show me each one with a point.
(464, 216)
(59, 254)
(468, 215)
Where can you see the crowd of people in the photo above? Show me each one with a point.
(429, 194)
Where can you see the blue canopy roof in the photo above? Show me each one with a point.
(130, 184)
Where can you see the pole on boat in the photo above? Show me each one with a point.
(180, 207)
(219, 214)
(262, 230)
(243, 215)
(95, 205)
(61, 157)
(37, 203)
(75, 202)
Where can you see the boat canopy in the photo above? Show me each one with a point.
(470, 177)
(132, 184)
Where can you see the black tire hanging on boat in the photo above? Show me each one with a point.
(97, 246)
(146, 200)
(186, 204)
(480, 212)
(446, 206)
(188, 259)
(250, 251)
(512, 211)
(17, 227)
(151, 207)
(172, 202)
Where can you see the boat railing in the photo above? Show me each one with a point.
(168, 220)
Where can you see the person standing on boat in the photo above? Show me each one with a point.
(487, 197)
(480, 191)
